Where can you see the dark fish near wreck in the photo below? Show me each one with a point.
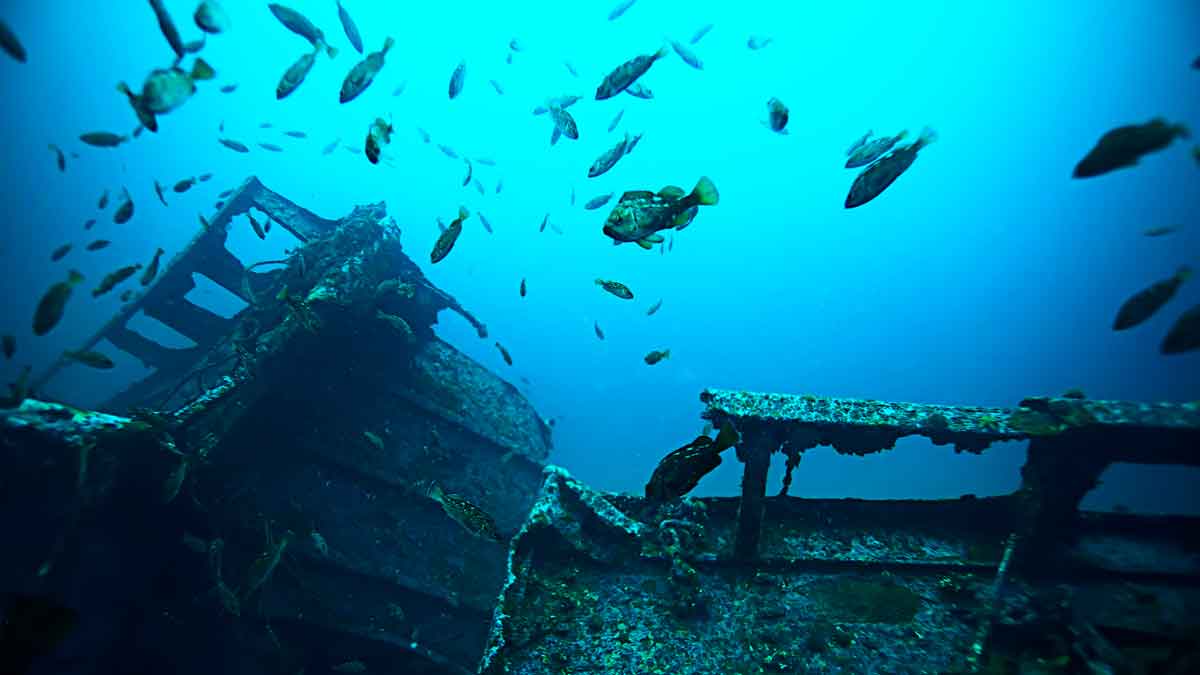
(60, 252)
(350, 28)
(620, 9)
(113, 278)
(50, 308)
(596, 328)
(1143, 304)
(486, 225)
(294, 76)
(868, 152)
(91, 359)
(445, 242)
(296, 134)
(379, 135)
(680, 471)
(626, 74)
(87, 225)
(859, 143)
(777, 116)
(610, 157)
(616, 288)
(640, 214)
(10, 44)
(1160, 231)
(270, 147)
(184, 185)
(363, 73)
(689, 57)
(656, 356)
(229, 88)
(254, 225)
(472, 518)
(1124, 146)
(596, 202)
(700, 33)
(236, 146)
(102, 203)
(300, 25)
(167, 25)
(103, 139)
(328, 149)
(124, 212)
(456, 79)
(152, 268)
(158, 190)
(616, 120)
(97, 245)
(504, 354)
(164, 90)
(522, 290)
(211, 18)
(639, 90)
(448, 151)
(9, 345)
(876, 178)
(497, 87)
(654, 308)
(60, 159)
(1184, 335)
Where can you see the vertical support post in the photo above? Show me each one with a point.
(755, 453)
(1057, 474)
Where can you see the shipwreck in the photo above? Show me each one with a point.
(259, 503)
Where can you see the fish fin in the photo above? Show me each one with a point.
(671, 192)
(684, 218)
(637, 194)
(705, 192)
(644, 243)
(654, 238)
(727, 437)
(202, 71)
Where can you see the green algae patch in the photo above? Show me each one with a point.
(862, 601)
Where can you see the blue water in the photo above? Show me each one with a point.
(985, 274)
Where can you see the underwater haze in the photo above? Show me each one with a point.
(983, 275)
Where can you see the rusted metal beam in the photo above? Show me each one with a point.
(755, 452)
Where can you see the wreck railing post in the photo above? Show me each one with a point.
(755, 452)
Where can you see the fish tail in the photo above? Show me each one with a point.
(1182, 131)
(202, 71)
(1184, 273)
(902, 135)
(928, 135)
(705, 192)
(727, 437)
(463, 213)
(74, 277)
(331, 50)
(388, 44)
(435, 492)
(666, 353)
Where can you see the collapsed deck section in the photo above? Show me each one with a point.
(612, 584)
(280, 470)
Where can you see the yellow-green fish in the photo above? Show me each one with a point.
(473, 519)
(616, 288)
(50, 308)
(656, 356)
(446, 241)
(91, 359)
(109, 282)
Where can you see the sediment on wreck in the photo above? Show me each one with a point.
(282, 512)
(1024, 582)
